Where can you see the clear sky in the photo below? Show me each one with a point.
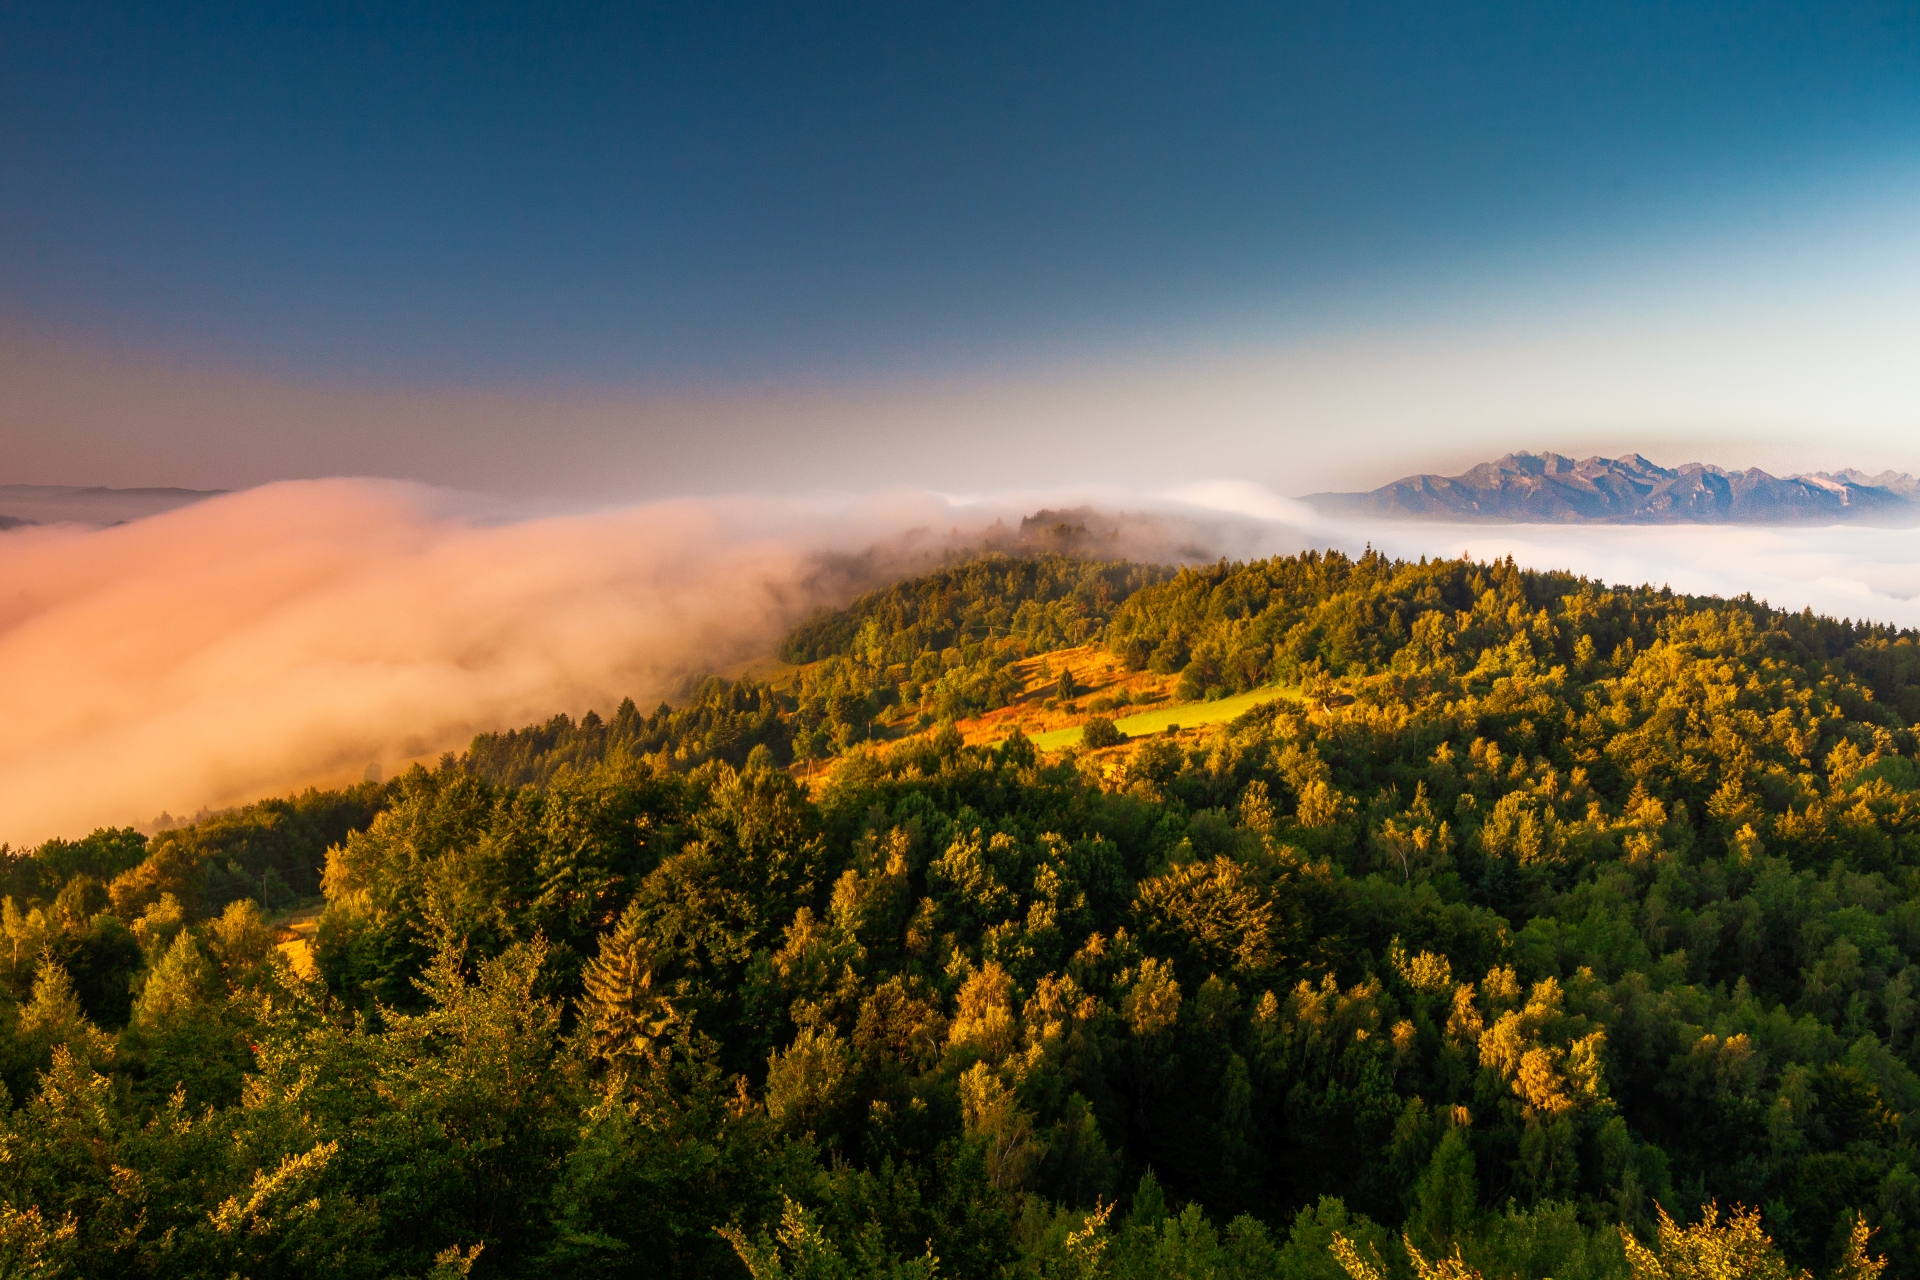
(600, 253)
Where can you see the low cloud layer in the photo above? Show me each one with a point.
(296, 632)
(1846, 571)
(293, 634)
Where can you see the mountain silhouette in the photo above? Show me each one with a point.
(1548, 488)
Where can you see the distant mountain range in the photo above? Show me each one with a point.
(22, 504)
(1546, 488)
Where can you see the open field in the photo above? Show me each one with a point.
(1185, 714)
(295, 934)
(1144, 698)
(1102, 679)
(1099, 675)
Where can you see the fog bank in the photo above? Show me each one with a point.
(295, 633)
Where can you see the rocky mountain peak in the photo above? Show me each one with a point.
(1631, 489)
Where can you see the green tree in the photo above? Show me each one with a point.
(800, 1250)
(1446, 1200)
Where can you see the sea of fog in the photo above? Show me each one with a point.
(1848, 571)
(297, 633)
(1843, 570)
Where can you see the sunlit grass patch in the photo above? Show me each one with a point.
(1184, 714)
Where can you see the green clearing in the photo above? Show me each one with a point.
(1185, 714)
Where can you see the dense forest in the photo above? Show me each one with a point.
(930, 650)
(1556, 931)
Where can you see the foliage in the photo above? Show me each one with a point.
(720, 720)
(943, 642)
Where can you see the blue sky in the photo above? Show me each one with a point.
(568, 201)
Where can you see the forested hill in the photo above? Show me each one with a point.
(1550, 911)
(946, 646)
(1046, 601)
(931, 649)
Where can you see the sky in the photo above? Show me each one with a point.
(590, 255)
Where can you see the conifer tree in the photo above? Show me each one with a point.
(625, 1011)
